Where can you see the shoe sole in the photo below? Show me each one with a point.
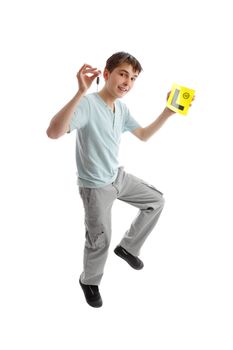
(124, 258)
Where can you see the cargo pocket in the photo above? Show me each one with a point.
(95, 238)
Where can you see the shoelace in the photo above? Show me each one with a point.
(124, 251)
(93, 287)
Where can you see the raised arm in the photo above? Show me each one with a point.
(59, 125)
(145, 133)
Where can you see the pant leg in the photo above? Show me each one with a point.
(150, 202)
(97, 205)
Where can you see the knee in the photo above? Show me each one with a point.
(158, 204)
(159, 201)
(162, 202)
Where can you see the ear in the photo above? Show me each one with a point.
(106, 74)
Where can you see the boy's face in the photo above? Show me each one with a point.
(121, 80)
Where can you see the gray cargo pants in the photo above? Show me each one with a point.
(97, 205)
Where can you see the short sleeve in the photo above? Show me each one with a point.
(130, 123)
(81, 115)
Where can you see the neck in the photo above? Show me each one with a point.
(108, 99)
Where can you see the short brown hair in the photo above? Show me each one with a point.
(121, 57)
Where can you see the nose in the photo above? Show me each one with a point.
(126, 82)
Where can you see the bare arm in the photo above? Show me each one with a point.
(145, 133)
(59, 124)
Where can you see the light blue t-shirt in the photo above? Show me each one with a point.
(98, 138)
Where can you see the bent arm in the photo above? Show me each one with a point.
(145, 133)
(59, 124)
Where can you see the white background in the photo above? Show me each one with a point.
(182, 299)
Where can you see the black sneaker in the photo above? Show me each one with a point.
(132, 260)
(92, 294)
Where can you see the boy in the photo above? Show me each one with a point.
(99, 119)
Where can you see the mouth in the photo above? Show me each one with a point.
(122, 89)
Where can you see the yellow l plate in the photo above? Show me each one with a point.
(180, 99)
